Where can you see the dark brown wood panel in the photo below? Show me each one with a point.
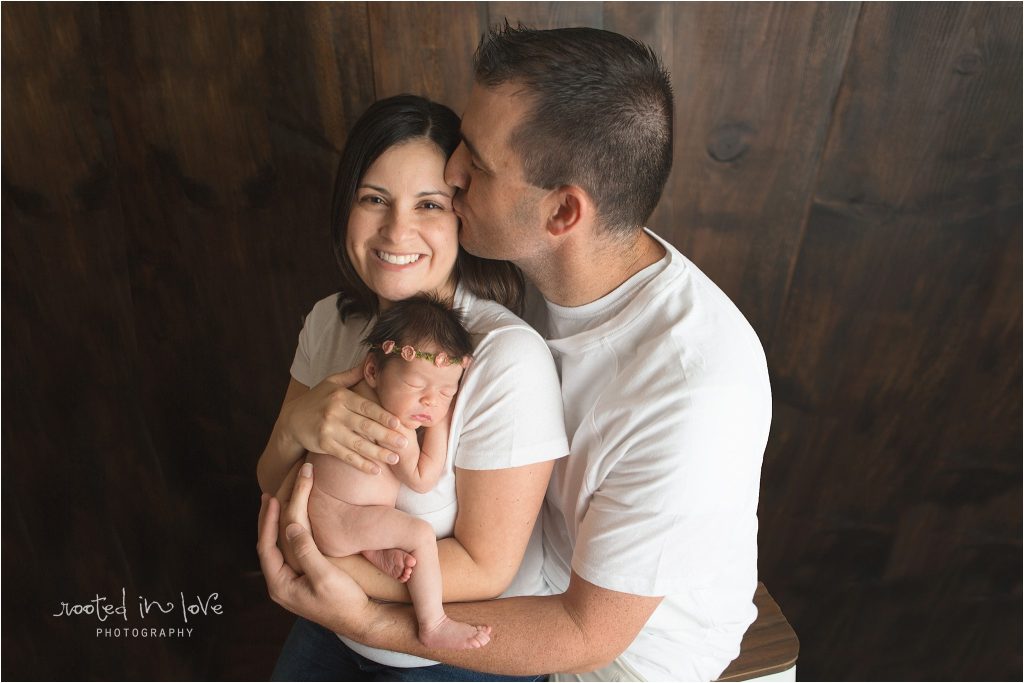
(83, 492)
(851, 176)
(426, 48)
(892, 481)
(226, 144)
(754, 84)
(546, 14)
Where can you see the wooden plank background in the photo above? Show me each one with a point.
(850, 174)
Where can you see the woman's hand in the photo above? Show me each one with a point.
(332, 419)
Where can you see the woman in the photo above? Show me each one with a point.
(395, 235)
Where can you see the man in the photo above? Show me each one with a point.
(650, 523)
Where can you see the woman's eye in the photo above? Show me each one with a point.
(431, 205)
(372, 199)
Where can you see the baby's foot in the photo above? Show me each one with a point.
(395, 563)
(454, 635)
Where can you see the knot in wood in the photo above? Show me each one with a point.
(968, 63)
(729, 141)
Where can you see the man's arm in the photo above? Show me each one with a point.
(580, 630)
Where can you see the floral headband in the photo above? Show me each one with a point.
(440, 359)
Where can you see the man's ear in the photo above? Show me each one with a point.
(571, 206)
(371, 370)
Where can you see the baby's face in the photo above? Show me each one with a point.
(417, 392)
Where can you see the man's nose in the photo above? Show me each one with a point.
(455, 170)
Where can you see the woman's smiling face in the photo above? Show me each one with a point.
(402, 233)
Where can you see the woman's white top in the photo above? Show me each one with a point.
(508, 413)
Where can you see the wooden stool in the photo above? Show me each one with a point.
(769, 648)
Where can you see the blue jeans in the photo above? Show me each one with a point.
(312, 653)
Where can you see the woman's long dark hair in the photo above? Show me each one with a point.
(387, 123)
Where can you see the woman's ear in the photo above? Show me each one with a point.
(572, 206)
(371, 370)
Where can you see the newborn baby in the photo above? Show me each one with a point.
(418, 351)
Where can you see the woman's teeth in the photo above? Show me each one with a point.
(396, 259)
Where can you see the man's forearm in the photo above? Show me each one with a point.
(530, 635)
(463, 578)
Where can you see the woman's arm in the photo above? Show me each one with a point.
(328, 419)
(497, 513)
(281, 452)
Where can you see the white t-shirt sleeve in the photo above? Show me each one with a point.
(306, 351)
(513, 413)
(667, 515)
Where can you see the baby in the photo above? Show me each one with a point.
(418, 350)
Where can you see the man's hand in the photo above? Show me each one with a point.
(321, 592)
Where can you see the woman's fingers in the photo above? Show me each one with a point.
(373, 422)
(332, 419)
(352, 458)
(365, 448)
(348, 378)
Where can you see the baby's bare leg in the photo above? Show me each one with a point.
(375, 527)
(325, 513)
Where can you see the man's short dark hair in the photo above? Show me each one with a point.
(601, 114)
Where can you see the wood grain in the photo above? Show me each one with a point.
(887, 481)
(439, 63)
(545, 15)
(849, 174)
(83, 494)
(769, 645)
(754, 85)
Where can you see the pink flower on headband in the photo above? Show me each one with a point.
(387, 347)
(466, 360)
(408, 352)
(441, 359)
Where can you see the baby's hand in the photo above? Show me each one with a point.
(412, 446)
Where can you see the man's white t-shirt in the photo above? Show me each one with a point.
(667, 406)
(508, 413)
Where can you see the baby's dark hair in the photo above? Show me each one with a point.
(418, 320)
